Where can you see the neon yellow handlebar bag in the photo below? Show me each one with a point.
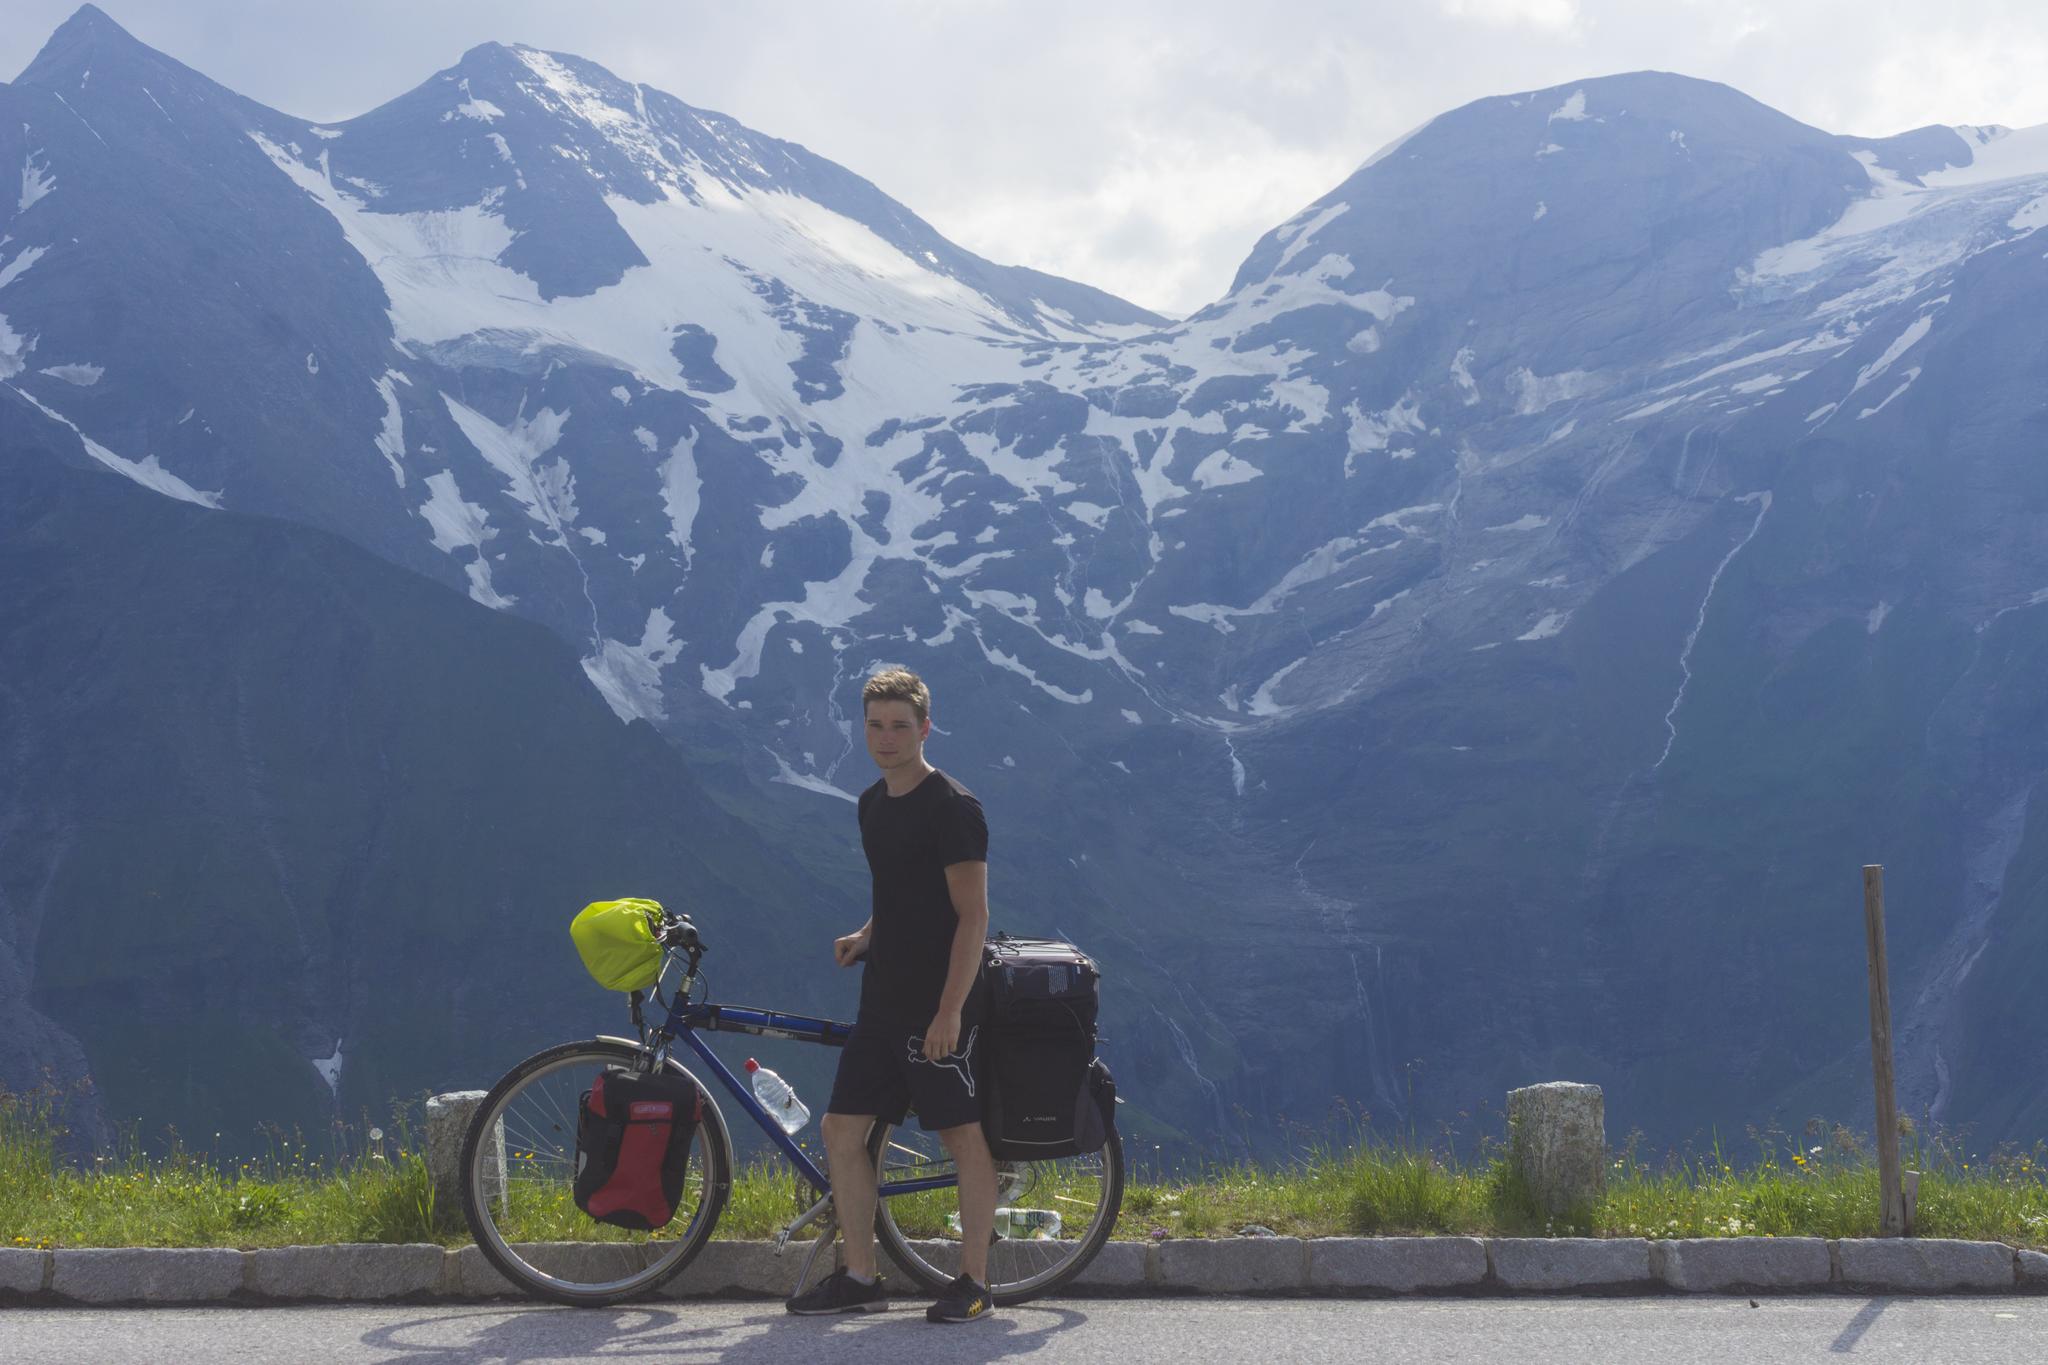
(618, 942)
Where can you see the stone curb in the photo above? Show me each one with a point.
(23, 1271)
(1727, 1265)
(1926, 1265)
(1575, 1265)
(1274, 1266)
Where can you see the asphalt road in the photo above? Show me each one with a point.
(1525, 1331)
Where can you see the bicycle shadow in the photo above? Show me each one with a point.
(517, 1335)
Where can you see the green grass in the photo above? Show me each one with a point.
(290, 1197)
(370, 1187)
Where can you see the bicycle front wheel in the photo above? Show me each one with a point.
(1086, 1191)
(519, 1169)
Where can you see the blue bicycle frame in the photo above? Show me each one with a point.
(684, 1021)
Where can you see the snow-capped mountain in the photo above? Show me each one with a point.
(1492, 634)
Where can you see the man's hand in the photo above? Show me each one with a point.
(942, 1039)
(848, 950)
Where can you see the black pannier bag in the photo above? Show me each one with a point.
(633, 1137)
(1045, 1092)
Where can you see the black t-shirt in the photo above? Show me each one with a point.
(910, 841)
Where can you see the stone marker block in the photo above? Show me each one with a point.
(2033, 1271)
(1118, 1267)
(1395, 1265)
(1570, 1263)
(1926, 1265)
(1235, 1265)
(1557, 1140)
(448, 1119)
(1710, 1265)
(146, 1274)
(22, 1270)
(356, 1272)
(747, 1269)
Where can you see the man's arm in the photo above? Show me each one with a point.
(967, 883)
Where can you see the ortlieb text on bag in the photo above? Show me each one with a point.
(1047, 1094)
(633, 1136)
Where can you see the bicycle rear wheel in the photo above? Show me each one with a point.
(1087, 1192)
(519, 1166)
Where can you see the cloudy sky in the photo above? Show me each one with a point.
(1141, 146)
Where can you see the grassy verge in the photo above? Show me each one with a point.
(370, 1187)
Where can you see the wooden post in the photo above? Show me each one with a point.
(1891, 1191)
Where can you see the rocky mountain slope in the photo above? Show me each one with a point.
(1480, 648)
(268, 852)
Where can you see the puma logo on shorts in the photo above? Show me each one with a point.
(960, 1063)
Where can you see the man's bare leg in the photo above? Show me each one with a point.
(969, 1149)
(853, 1187)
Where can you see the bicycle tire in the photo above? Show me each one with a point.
(1048, 1269)
(542, 1153)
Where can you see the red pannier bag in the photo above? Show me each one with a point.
(633, 1136)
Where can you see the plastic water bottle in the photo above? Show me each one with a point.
(778, 1098)
(1036, 1225)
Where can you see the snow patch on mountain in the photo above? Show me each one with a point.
(546, 490)
(628, 676)
(1885, 402)
(1373, 431)
(682, 493)
(330, 1067)
(1461, 371)
(19, 266)
(458, 524)
(809, 782)
(147, 471)
(1299, 237)
(2031, 217)
(390, 439)
(483, 111)
(1220, 468)
(1997, 154)
(1902, 343)
(36, 181)
(1262, 702)
(14, 349)
(1573, 110)
(1889, 200)
(1535, 392)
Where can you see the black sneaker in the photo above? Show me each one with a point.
(961, 1301)
(839, 1292)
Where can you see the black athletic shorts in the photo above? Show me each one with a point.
(883, 1072)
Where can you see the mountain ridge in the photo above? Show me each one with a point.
(1519, 544)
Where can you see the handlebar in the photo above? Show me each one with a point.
(679, 933)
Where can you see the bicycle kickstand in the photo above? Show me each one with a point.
(828, 1237)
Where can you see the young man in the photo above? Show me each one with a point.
(914, 1040)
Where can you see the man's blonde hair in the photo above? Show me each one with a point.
(898, 684)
